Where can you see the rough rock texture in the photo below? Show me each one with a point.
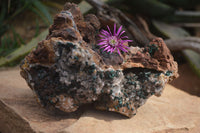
(67, 70)
(20, 113)
(174, 112)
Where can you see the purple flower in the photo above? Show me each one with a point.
(111, 42)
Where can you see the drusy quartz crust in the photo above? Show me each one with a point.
(68, 69)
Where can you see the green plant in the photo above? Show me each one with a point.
(9, 10)
(10, 42)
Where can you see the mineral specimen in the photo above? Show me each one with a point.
(68, 70)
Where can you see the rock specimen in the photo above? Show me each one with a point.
(68, 70)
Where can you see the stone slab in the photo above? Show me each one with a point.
(174, 112)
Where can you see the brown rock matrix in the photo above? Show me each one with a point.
(68, 70)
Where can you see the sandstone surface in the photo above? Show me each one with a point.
(173, 112)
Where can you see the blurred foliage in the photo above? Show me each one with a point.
(9, 10)
(168, 13)
(174, 32)
(167, 10)
(11, 48)
(19, 53)
(186, 4)
(9, 43)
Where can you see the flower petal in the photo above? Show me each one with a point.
(124, 37)
(106, 48)
(125, 46)
(129, 40)
(121, 34)
(105, 39)
(120, 28)
(123, 49)
(113, 49)
(102, 36)
(118, 51)
(108, 37)
(102, 43)
(114, 32)
(105, 32)
(109, 50)
(109, 30)
(103, 46)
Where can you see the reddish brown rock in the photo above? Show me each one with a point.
(174, 112)
(155, 56)
(68, 70)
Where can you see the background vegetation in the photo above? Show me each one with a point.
(25, 22)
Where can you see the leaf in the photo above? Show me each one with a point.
(42, 9)
(37, 29)
(19, 53)
(194, 60)
(174, 32)
(84, 7)
(152, 8)
(183, 16)
(18, 11)
(53, 4)
(169, 31)
(3, 11)
(35, 10)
